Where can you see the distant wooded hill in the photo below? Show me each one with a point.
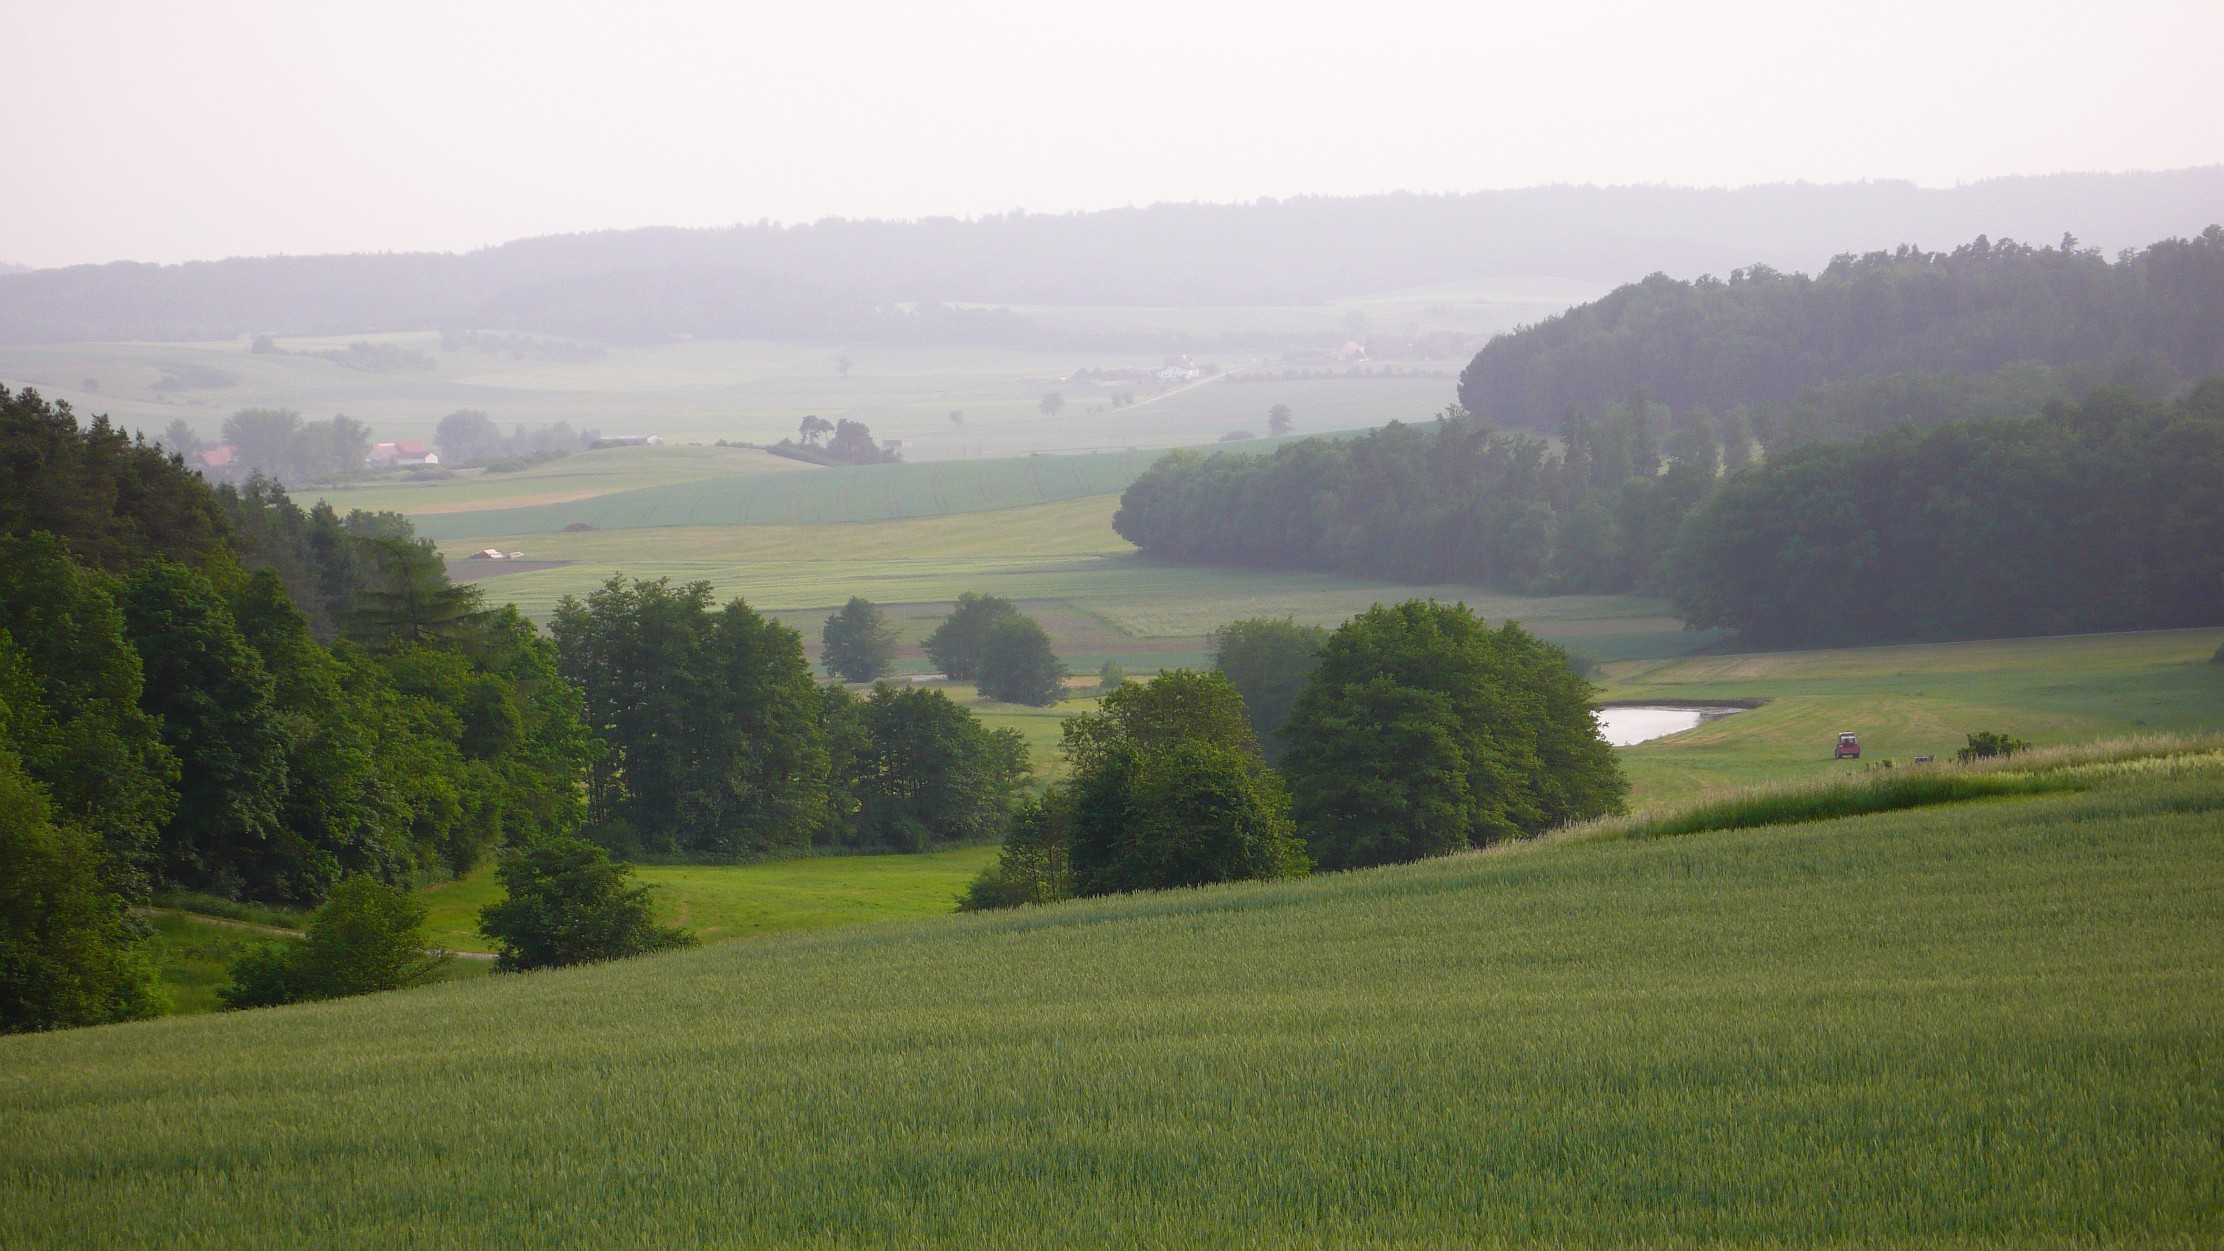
(839, 279)
(1761, 337)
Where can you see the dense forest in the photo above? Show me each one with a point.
(1762, 337)
(864, 279)
(2105, 513)
(214, 691)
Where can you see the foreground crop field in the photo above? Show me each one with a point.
(1991, 1024)
(1913, 700)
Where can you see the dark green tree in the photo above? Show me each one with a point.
(99, 756)
(566, 903)
(1034, 865)
(114, 502)
(467, 435)
(1169, 789)
(67, 947)
(955, 645)
(367, 937)
(1422, 730)
(404, 595)
(214, 700)
(925, 772)
(713, 729)
(859, 641)
(1018, 665)
(1267, 661)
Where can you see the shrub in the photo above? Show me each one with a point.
(1984, 744)
(569, 903)
(367, 937)
(1188, 815)
(1034, 867)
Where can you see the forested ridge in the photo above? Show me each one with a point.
(2103, 513)
(847, 278)
(1762, 337)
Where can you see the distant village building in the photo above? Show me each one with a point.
(1177, 369)
(401, 452)
(1354, 351)
(216, 457)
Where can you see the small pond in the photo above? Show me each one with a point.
(1628, 725)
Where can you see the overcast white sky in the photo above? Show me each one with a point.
(175, 131)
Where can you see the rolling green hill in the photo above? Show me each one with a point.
(1988, 1024)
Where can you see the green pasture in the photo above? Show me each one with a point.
(1978, 1025)
(719, 902)
(192, 956)
(1913, 700)
(751, 391)
(828, 495)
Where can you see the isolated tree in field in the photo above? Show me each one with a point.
(367, 937)
(1019, 666)
(1267, 661)
(955, 645)
(566, 902)
(812, 427)
(1050, 403)
(1278, 420)
(1110, 678)
(853, 444)
(1423, 730)
(67, 954)
(467, 435)
(841, 364)
(858, 642)
(957, 416)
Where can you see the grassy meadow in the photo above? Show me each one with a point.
(721, 902)
(1912, 700)
(1993, 1024)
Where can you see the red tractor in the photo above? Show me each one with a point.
(1849, 747)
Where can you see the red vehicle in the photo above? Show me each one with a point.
(1849, 747)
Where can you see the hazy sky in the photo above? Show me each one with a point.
(177, 131)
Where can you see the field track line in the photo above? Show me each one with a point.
(282, 932)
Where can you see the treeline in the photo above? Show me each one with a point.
(1762, 337)
(847, 278)
(212, 690)
(717, 741)
(1411, 731)
(2087, 515)
(2103, 515)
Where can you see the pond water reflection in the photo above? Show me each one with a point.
(1628, 725)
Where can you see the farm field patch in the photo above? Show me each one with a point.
(742, 390)
(1984, 1025)
(1913, 700)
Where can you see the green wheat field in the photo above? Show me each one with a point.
(1987, 1024)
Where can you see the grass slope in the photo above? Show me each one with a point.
(719, 902)
(1914, 700)
(1994, 1024)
